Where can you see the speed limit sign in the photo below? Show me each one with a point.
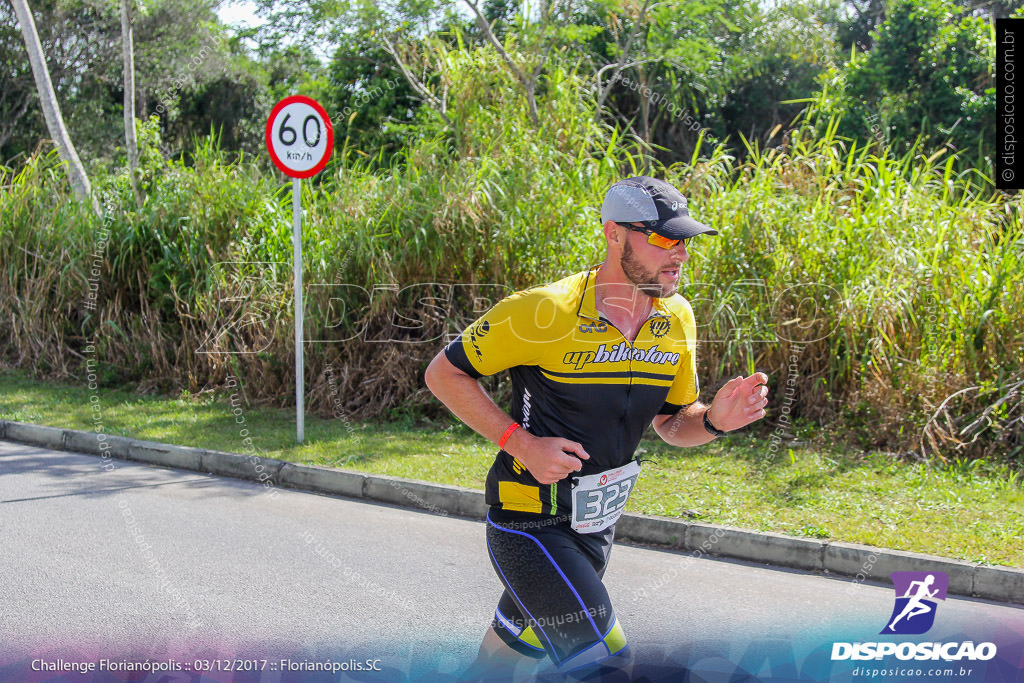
(300, 139)
(299, 136)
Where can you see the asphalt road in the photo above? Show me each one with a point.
(139, 563)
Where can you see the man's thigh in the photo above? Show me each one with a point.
(554, 598)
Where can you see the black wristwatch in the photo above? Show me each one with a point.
(712, 429)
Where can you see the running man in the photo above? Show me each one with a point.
(914, 606)
(594, 358)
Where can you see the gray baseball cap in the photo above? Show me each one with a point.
(655, 203)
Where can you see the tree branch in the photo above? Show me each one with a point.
(439, 105)
(602, 94)
(528, 84)
(493, 40)
(624, 67)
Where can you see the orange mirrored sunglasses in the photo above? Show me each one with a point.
(656, 239)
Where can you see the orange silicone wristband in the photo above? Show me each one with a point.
(508, 432)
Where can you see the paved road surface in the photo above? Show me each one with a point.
(141, 562)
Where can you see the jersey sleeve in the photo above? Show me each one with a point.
(503, 337)
(685, 388)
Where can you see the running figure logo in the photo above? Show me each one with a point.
(916, 593)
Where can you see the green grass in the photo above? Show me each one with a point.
(967, 510)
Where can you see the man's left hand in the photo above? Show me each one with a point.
(740, 402)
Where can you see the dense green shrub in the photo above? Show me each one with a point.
(929, 77)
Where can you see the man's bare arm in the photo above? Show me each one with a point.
(549, 459)
(737, 404)
(685, 428)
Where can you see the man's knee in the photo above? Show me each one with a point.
(617, 668)
(520, 637)
(499, 661)
(606, 659)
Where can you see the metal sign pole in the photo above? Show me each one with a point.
(297, 249)
(299, 138)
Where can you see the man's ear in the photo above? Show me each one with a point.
(612, 234)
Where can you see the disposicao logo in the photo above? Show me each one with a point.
(913, 614)
(916, 595)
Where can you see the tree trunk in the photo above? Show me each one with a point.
(51, 109)
(645, 117)
(141, 105)
(128, 54)
(645, 106)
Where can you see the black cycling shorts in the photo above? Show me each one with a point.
(554, 601)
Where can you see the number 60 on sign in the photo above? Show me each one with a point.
(299, 136)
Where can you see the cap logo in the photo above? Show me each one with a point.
(678, 205)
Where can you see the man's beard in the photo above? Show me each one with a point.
(646, 281)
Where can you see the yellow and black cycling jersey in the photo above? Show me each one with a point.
(576, 376)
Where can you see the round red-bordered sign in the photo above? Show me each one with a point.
(299, 136)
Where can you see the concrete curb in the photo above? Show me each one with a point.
(862, 563)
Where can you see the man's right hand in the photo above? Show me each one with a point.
(549, 459)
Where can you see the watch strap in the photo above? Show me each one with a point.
(712, 429)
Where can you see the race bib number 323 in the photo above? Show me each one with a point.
(599, 499)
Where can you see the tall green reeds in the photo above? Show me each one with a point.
(892, 281)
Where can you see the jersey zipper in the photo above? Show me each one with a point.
(629, 387)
